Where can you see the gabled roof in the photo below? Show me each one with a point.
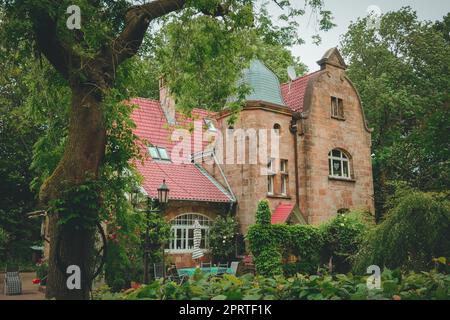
(282, 213)
(186, 181)
(334, 58)
(294, 92)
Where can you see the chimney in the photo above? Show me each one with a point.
(332, 58)
(166, 101)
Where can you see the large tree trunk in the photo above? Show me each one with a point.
(82, 158)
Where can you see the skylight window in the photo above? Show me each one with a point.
(158, 153)
(210, 125)
(163, 154)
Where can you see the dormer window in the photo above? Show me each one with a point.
(337, 108)
(158, 153)
(210, 125)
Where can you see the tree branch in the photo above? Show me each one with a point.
(59, 55)
(137, 20)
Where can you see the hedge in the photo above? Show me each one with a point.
(313, 246)
(394, 286)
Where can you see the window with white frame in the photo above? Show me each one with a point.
(270, 176)
(284, 176)
(182, 232)
(339, 164)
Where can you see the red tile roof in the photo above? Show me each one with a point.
(294, 92)
(282, 213)
(186, 181)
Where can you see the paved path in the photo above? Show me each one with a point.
(29, 290)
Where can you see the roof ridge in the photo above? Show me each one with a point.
(301, 77)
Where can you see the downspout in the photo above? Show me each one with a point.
(293, 128)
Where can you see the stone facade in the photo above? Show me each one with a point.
(320, 196)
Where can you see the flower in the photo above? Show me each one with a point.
(36, 281)
(342, 225)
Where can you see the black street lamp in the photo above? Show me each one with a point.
(154, 207)
(163, 193)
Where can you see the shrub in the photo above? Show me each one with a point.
(268, 262)
(395, 285)
(414, 231)
(306, 242)
(266, 241)
(263, 213)
(42, 272)
(342, 237)
(222, 238)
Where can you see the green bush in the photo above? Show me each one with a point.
(266, 242)
(338, 239)
(263, 213)
(222, 238)
(342, 238)
(268, 262)
(395, 285)
(42, 272)
(415, 230)
(306, 242)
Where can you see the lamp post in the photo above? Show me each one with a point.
(154, 207)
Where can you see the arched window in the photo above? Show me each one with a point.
(339, 164)
(182, 232)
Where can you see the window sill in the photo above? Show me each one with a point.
(338, 118)
(278, 196)
(341, 179)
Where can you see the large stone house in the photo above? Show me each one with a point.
(322, 167)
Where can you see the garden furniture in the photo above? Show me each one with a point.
(206, 267)
(222, 268)
(12, 283)
(158, 270)
(234, 267)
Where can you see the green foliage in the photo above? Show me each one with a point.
(306, 242)
(339, 239)
(222, 238)
(263, 213)
(268, 262)
(397, 286)
(342, 236)
(4, 237)
(415, 230)
(42, 272)
(402, 74)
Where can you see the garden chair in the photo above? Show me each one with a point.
(12, 283)
(234, 267)
(178, 278)
(222, 269)
(158, 270)
(206, 267)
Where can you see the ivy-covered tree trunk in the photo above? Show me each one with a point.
(81, 161)
(90, 78)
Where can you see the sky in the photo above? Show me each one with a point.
(346, 11)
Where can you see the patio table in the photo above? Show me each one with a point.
(191, 271)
